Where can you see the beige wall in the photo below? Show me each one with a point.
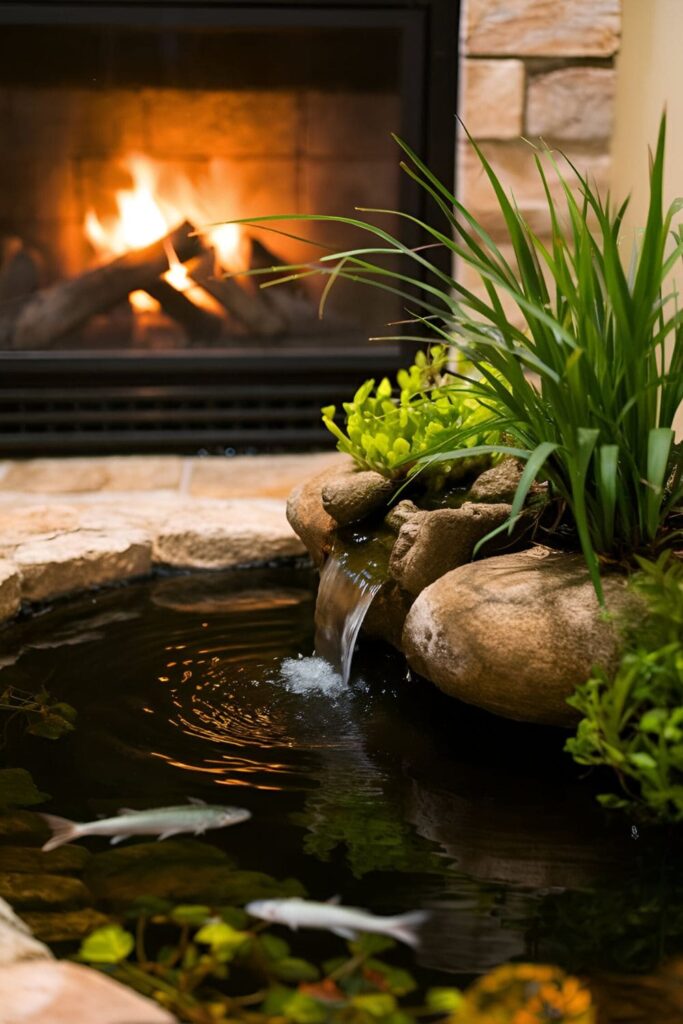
(649, 78)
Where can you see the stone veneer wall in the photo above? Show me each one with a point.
(534, 69)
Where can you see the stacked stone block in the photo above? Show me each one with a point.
(534, 70)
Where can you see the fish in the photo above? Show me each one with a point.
(347, 922)
(163, 822)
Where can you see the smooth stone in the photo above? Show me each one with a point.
(354, 494)
(66, 926)
(240, 532)
(43, 891)
(10, 590)
(515, 634)
(16, 941)
(493, 100)
(80, 560)
(574, 103)
(52, 992)
(497, 484)
(433, 543)
(307, 515)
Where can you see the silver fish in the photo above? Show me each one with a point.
(194, 816)
(347, 922)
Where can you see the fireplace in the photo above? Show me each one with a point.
(135, 135)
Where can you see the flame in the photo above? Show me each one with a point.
(148, 211)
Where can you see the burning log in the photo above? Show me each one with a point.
(53, 312)
(250, 308)
(199, 323)
(290, 299)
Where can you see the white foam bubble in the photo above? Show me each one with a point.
(311, 675)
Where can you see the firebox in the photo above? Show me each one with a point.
(141, 143)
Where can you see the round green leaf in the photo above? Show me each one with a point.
(108, 945)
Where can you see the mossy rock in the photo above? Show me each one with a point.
(42, 891)
(24, 827)
(30, 861)
(69, 926)
(182, 871)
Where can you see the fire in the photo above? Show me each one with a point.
(148, 211)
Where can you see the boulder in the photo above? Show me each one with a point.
(354, 494)
(430, 544)
(307, 515)
(515, 634)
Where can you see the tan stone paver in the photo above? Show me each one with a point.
(263, 476)
(71, 524)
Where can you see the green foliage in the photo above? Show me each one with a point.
(634, 723)
(213, 974)
(390, 433)
(202, 975)
(108, 945)
(580, 361)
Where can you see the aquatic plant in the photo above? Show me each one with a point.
(390, 433)
(584, 376)
(212, 950)
(42, 714)
(633, 722)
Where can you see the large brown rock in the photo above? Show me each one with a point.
(353, 494)
(307, 515)
(430, 544)
(515, 634)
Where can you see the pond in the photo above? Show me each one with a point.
(383, 792)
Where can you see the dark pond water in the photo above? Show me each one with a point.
(384, 792)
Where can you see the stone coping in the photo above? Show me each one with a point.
(68, 524)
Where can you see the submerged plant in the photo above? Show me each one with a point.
(44, 716)
(390, 434)
(207, 951)
(585, 376)
(634, 722)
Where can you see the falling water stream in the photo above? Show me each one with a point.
(349, 581)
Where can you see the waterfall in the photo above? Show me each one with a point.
(349, 580)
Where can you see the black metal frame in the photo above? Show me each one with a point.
(252, 398)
